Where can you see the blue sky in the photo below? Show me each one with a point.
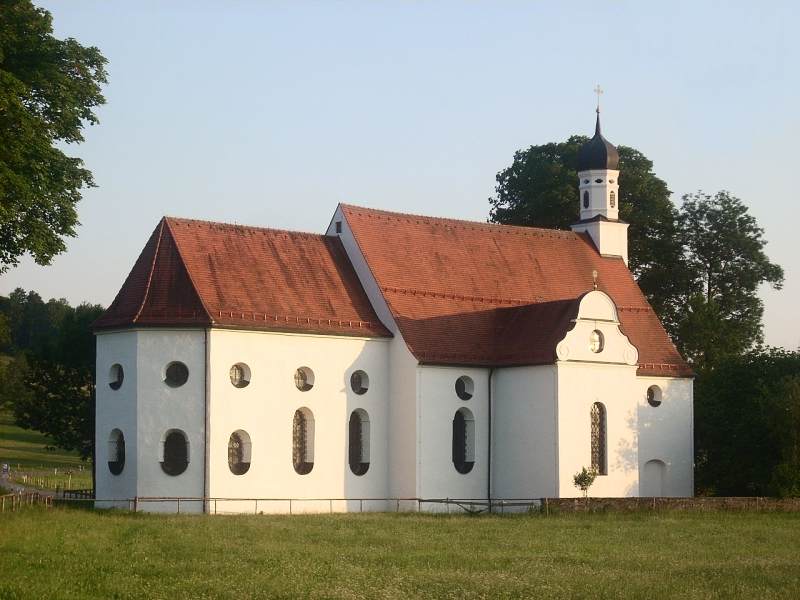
(269, 113)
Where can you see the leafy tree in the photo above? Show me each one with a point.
(584, 479)
(540, 188)
(49, 89)
(726, 262)
(49, 382)
(747, 425)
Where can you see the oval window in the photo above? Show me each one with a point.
(176, 374)
(115, 377)
(304, 379)
(596, 341)
(654, 396)
(359, 382)
(240, 375)
(465, 387)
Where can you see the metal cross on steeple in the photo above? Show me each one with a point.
(598, 90)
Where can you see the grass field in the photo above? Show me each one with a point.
(65, 553)
(26, 450)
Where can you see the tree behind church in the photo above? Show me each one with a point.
(49, 89)
(540, 189)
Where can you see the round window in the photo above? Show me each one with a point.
(359, 382)
(304, 379)
(465, 387)
(176, 374)
(115, 377)
(654, 396)
(596, 341)
(240, 375)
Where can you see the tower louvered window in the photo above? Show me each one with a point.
(599, 444)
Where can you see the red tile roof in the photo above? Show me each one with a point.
(196, 273)
(474, 293)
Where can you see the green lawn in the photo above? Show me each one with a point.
(65, 553)
(26, 450)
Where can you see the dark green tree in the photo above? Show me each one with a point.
(747, 425)
(58, 381)
(540, 189)
(49, 89)
(725, 260)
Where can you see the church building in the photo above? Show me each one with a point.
(394, 358)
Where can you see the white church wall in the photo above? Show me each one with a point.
(403, 433)
(438, 403)
(162, 408)
(580, 385)
(524, 457)
(115, 409)
(265, 410)
(666, 437)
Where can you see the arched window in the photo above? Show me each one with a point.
(239, 452)
(463, 440)
(585, 200)
(303, 441)
(174, 452)
(358, 442)
(116, 452)
(599, 442)
(613, 198)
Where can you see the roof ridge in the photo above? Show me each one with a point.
(150, 272)
(563, 233)
(456, 296)
(222, 225)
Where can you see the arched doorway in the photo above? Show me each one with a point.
(651, 482)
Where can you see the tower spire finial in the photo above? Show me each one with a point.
(597, 90)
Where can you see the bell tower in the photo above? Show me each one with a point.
(598, 185)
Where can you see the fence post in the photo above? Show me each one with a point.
(215, 506)
(330, 505)
(179, 506)
(256, 506)
(290, 506)
(361, 505)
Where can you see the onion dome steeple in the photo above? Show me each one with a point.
(598, 153)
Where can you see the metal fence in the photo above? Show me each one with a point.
(291, 506)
